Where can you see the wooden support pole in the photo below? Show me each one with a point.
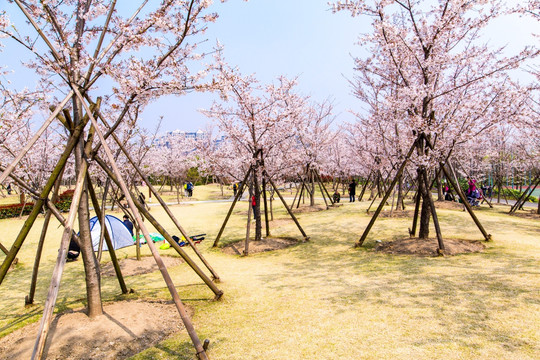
(386, 195)
(29, 299)
(59, 267)
(524, 196)
(74, 138)
(302, 189)
(306, 238)
(296, 194)
(170, 285)
(35, 138)
(110, 246)
(364, 188)
(4, 249)
(50, 205)
(248, 227)
(266, 218)
(238, 195)
(163, 204)
(323, 187)
(427, 193)
(463, 198)
(418, 197)
(142, 209)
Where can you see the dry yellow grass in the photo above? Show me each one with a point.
(326, 300)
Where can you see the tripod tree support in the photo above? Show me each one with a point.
(238, 195)
(386, 195)
(180, 307)
(74, 138)
(463, 198)
(306, 238)
(163, 204)
(141, 208)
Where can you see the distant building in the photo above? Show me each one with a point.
(197, 135)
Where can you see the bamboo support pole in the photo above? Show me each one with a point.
(238, 195)
(306, 238)
(248, 228)
(428, 195)
(112, 252)
(412, 232)
(266, 219)
(524, 196)
(180, 307)
(35, 138)
(165, 207)
(364, 188)
(463, 198)
(386, 195)
(324, 187)
(161, 201)
(29, 299)
(142, 209)
(59, 267)
(39, 203)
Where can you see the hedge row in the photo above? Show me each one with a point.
(14, 210)
(515, 192)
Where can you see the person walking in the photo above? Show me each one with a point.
(352, 191)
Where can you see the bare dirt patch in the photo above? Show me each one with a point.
(132, 266)
(266, 244)
(125, 329)
(428, 247)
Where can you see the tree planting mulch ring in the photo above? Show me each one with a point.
(397, 214)
(266, 244)
(428, 247)
(307, 209)
(125, 329)
(528, 214)
(132, 266)
(451, 205)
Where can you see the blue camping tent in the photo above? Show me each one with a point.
(120, 235)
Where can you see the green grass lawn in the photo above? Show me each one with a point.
(324, 299)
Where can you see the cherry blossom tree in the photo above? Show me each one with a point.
(256, 120)
(434, 79)
(128, 56)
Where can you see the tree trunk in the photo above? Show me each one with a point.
(399, 205)
(440, 193)
(257, 208)
(425, 213)
(311, 190)
(91, 266)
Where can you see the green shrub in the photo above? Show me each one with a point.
(64, 200)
